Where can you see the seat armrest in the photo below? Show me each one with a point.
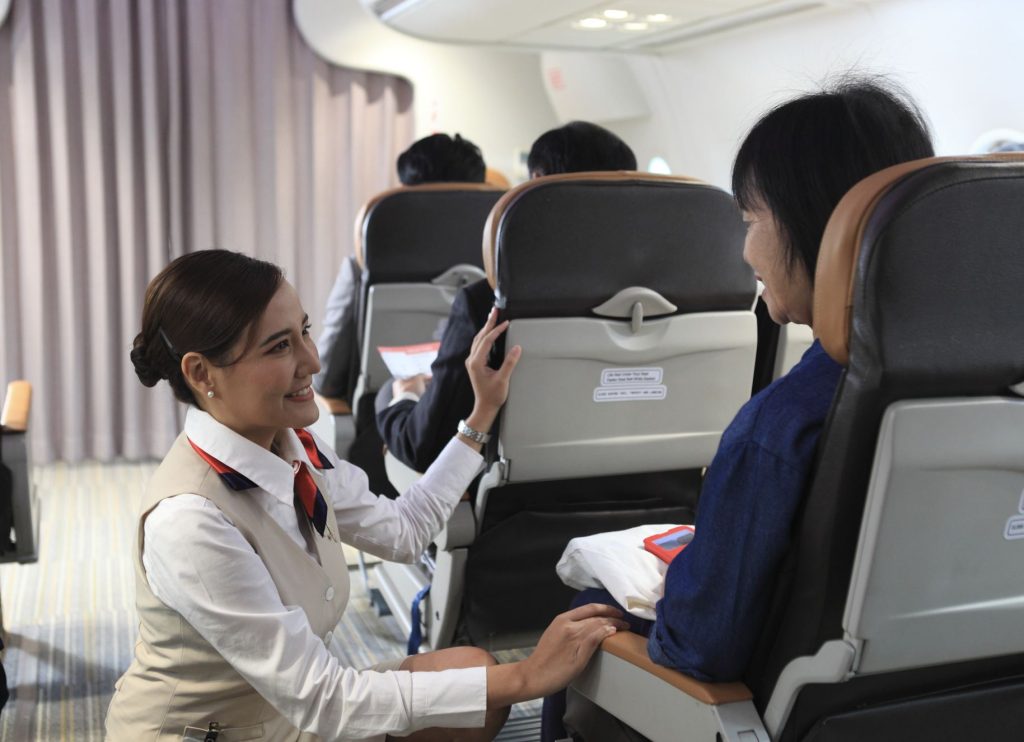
(17, 404)
(658, 702)
(633, 649)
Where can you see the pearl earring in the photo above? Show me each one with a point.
(210, 394)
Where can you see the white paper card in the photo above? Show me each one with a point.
(406, 361)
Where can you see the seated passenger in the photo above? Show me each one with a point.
(435, 159)
(790, 173)
(421, 415)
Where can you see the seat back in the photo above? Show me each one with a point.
(632, 303)
(630, 297)
(901, 583)
(416, 247)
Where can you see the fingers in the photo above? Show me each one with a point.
(492, 318)
(511, 359)
(488, 340)
(592, 609)
(484, 341)
(595, 631)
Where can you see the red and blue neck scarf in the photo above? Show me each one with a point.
(307, 494)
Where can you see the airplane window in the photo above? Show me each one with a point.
(659, 166)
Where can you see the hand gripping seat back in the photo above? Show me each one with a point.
(918, 292)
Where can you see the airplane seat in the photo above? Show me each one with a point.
(630, 298)
(897, 612)
(416, 246)
(19, 494)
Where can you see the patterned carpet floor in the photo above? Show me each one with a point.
(69, 619)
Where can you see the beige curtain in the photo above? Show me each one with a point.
(133, 131)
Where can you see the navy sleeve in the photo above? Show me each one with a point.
(415, 432)
(717, 589)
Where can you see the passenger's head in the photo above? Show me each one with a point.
(441, 159)
(579, 147)
(223, 323)
(797, 163)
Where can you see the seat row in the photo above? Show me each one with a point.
(630, 298)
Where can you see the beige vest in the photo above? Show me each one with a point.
(178, 684)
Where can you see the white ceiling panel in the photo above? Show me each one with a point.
(645, 25)
(479, 20)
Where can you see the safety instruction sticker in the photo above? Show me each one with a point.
(630, 385)
(631, 376)
(1014, 528)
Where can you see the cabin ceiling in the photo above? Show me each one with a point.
(625, 25)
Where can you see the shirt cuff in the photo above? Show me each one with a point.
(453, 469)
(411, 396)
(450, 698)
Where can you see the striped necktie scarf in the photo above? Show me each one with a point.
(307, 494)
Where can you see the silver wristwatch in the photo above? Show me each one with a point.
(474, 435)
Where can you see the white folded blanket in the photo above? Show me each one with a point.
(618, 562)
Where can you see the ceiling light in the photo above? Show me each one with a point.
(659, 18)
(635, 26)
(617, 15)
(593, 23)
(659, 166)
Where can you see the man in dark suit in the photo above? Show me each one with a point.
(424, 414)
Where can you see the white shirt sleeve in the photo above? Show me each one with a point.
(400, 530)
(200, 565)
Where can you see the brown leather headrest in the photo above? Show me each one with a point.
(369, 206)
(841, 245)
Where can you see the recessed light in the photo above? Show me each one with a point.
(617, 15)
(659, 166)
(635, 26)
(659, 18)
(593, 23)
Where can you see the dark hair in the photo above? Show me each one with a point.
(579, 147)
(802, 156)
(202, 302)
(441, 159)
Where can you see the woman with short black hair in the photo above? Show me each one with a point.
(792, 169)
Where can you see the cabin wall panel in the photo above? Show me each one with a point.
(961, 61)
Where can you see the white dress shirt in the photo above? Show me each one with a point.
(200, 565)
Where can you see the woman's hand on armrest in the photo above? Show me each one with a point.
(561, 654)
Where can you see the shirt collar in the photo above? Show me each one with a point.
(270, 472)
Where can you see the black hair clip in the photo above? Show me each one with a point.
(168, 343)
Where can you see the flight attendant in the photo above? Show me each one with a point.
(240, 576)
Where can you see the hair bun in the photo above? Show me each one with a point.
(148, 375)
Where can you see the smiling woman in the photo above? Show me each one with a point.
(240, 577)
(267, 386)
